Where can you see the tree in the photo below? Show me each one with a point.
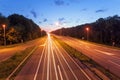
(18, 28)
(3, 20)
(12, 36)
(103, 30)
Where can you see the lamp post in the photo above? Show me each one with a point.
(87, 29)
(4, 26)
(41, 32)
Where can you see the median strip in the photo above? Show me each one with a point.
(10, 67)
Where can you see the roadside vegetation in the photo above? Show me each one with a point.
(8, 66)
(15, 45)
(88, 62)
(104, 31)
(18, 29)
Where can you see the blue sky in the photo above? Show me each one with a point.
(53, 14)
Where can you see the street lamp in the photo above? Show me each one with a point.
(41, 32)
(4, 26)
(87, 29)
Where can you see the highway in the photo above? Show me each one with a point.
(8, 51)
(105, 56)
(51, 62)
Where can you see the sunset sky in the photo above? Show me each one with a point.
(53, 14)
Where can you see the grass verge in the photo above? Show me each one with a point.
(8, 66)
(87, 61)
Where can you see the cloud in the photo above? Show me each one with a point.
(51, 24)
(60, 22)
(33, 13)
(84, 9)
(59, 2)
(27, 16)
(61, 19)
(40, 22)
(74, 1)
(101, 10)
(45, 20)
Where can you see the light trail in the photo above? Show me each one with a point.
(61, 65)
(44, 61)
(107, 53)
(53, 59)
(60, 73)
(39, 62)
(66, 62)
(48, 63)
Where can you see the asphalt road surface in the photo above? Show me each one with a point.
(106, 56)
(51, 62)
(8, 51)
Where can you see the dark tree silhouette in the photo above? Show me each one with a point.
(104, 30)
(18, 29)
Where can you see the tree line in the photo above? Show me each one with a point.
(18, 29)
(104, 31)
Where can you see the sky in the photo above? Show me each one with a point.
(54, 14)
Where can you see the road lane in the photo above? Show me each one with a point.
(7, 52)
(29, 70)
(51, 62)
(60, 72)
(39, 64)
(105, 56)
(75, 69)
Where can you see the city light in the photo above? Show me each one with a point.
(4, 26)
(87, 29)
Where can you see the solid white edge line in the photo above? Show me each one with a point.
(39, 64)
(44, 62)
(62, 66)
(79, 67)
(53, 60)
(48, 64)
(67, 64)
(60, 72)
(21, 63)
(113, 62)
(107, 53)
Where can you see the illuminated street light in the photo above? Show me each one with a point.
(87, 29)
(4, 26)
